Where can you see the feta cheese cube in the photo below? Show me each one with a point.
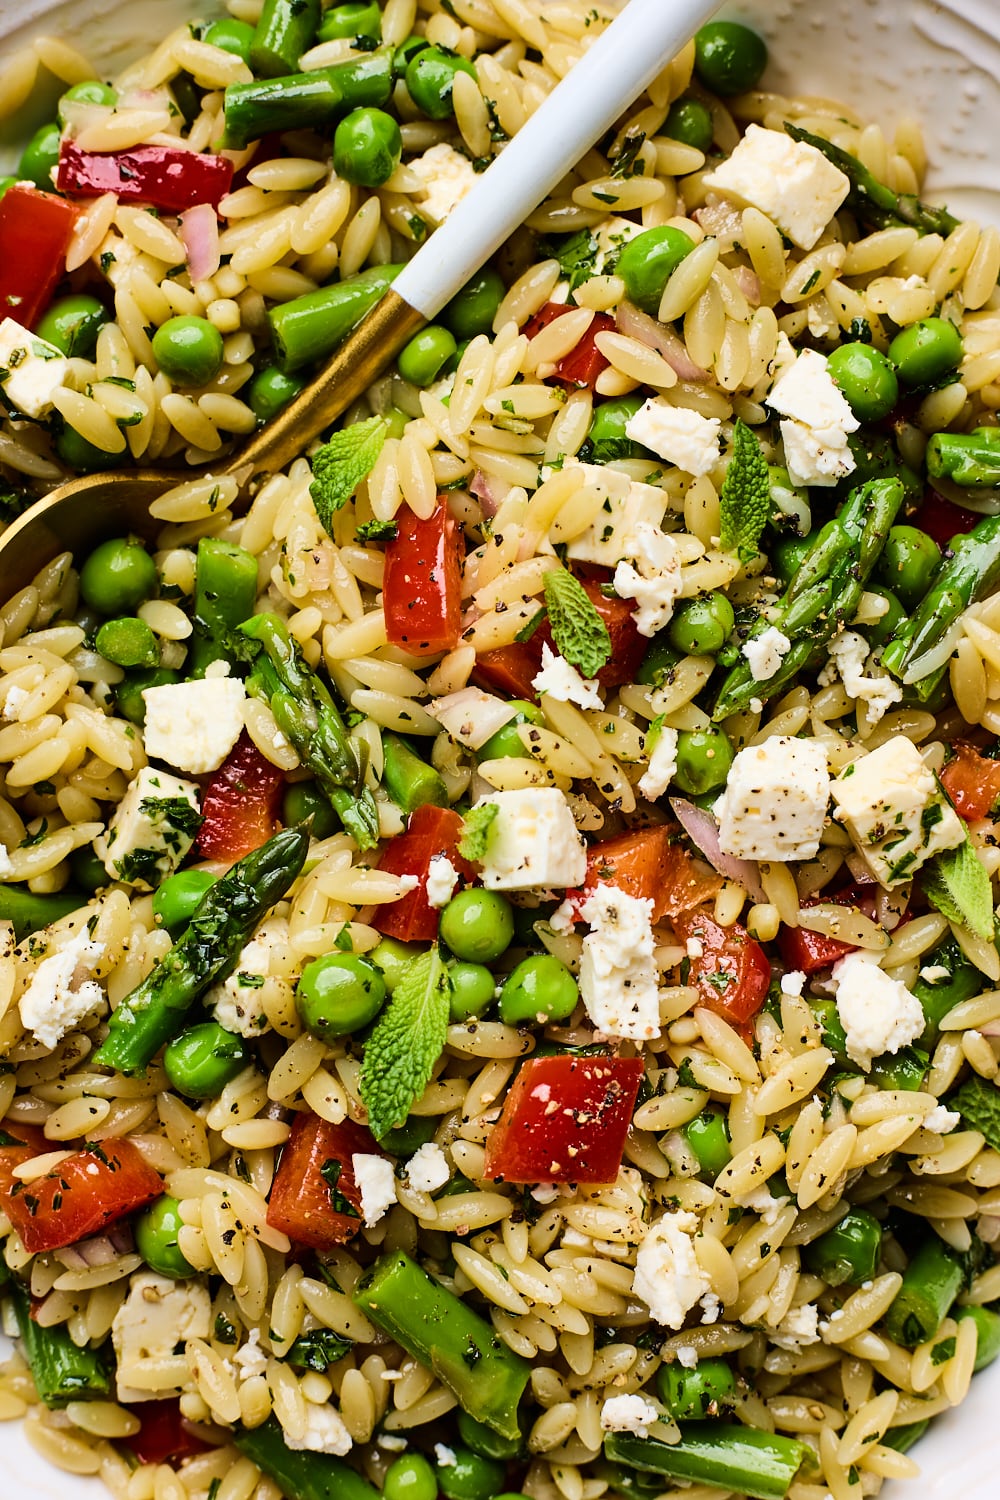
(533, 842)
(376, 1182)
(894, 811)
(194, 725)
(442, 878)
(774, 805)
(652, 577)
(60, 992)
(790, 181)
(157, 1316)
(31, 369)
(427, 1169)
(684, 438)
(668, 1276)
(618, 974)
(325, 1432)
(627, 505)
(629, 1414)
(817, 421)
(563, 682)
(765, 652)
(152, 829)
(878, 1013)
(259, 983)
(445, 176)
(941, 1119)
(662, 763)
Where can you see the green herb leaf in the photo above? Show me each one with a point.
(978, 1102)
(476, 832)
(580, 634)
(406, 1042)
(958, 885)
(745, 497)
(576, 254)
(317, 1350)
(341, 464)
(330, 1172)
(377, 531)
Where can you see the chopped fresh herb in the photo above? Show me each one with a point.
(340, 465)
(580, 634)
(476, 832)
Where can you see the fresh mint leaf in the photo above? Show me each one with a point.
(406, 1042)
(341, 464)
(476, 832)
(576, 254)
(580, 634)
(377, 531)
(745, 497)
(317, 1350)
(958, 885)
(978, 1102)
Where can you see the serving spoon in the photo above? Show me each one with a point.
(585, 104)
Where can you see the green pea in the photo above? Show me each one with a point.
(230, 35)
(658, 662)
(367, 147)
(704, 757)
(867, 379)
(5, 184)
(156, 1232)
(119, 575)
(339, 993)
(406, 52)
(422, 359)
(690, 121)
(392, 959)
(128, 693)
(702, 626)
(708, 1136)
(188, 349)
(926, 351)
(83, 456)
(403, 1140)
(729, 58)
(128, 642)
(506, 742)
(177, 898)
(88, 871)
(909, 560)
(361, 18)
(72, 324)
(471, 1476)
(430, 78)
(409, 1477)
(92, 91)
(691, 1395)
(606, 436)
(472, 309)
(270, 391)
(304, 800)
(472, 990)
(648, 261)
(40, 156)
(477, 925)
(539, 990)
(886, 625)
(203, 1059)
(787, 554)
(484, 1441)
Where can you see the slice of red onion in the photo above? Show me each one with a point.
(472, 716)
(199, 229)
(481, 486)
(703, 831)
(636, 324)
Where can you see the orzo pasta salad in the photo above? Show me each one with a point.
(499, 991)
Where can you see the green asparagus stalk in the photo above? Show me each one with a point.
(871, 201)
(286, 29)
(311, 326)
(849, 1252)
(225, 593)
(305, 712)
(300, 101)
(987, 1334)
(724, 1455)
(824, 591)
(154, 1012)
(707, 1391)
(963, 980)
(904, 1070)
(410, 781)
(62, 1371)
(299, 1473)
(28, 912)
(931, 1282)
(903, 1438)
(966, 458)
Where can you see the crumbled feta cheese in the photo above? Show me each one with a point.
(442, 878)
(257, 984)
(662, 764)
(15, 697)
(250, 1359)
(774, 805)
(427, 1169)
(668, 1277)
(894, 811)
(391, 1442)
(618, 975)
(6, 863)
(152, 829)
(765, 652)
(545, 1192)
(847, 655)
(687, 1356)
(445, 176)
(652, 577)
(793, 982)
(877, 1012)
(816, 421)
(711, 1307)
(694, 948)
(60, 992)
(941, 1119)
(628, 1414)
(564, 683)
(681, 436)
(445, 1455)
(761, 1202)
(798, 1328)
(790, 181)
(628, 505)
(935, 973)
(533, 841)
(376, 1182)
(194, 725)
(325, 1432)
(31, 369)
(157, 1316)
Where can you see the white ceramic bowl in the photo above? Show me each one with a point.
(936, 59)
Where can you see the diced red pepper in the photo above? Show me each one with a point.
(565, 1119)
(810, 951)
(942, 519)
(646, 862)
(80, 1197)
(35, 230)
(306, 1205)
(422, 584)
(241, 804)
(972, 781)
(509, 670)
(162, 1436)
(431, 830)
(731, 972)
(169, 178)
(584, 362)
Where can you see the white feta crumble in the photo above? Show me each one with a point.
(445, 1455)
(376, 1182)
(618, 974)
(711, 1307)
(442, 878)
(564, 683)
(765, 652)
(250, 1359)
(533, 841)
(391, 1442)
(793, 982)
(628, 505)
(16, 696)
(816, 421)
(662, 764)
(847, 656)
(683, 437)
(687, 1356)
(790, 181)
(152, 829)
(935, 973)
(941, 1119)
(798, 1328)
(894, 811)
(194, 725)
(878, 1013)
(694, 948)
(325, 1432)
(427, 1169)
(61, 992)
(445, 176)
(545, 1192)
(668, 1277)
(257, 984)
(774, 805)
(652, 577)
(763, 1203)
(629, 1414)
(157, 1315)
(6, 863)
(31, 369)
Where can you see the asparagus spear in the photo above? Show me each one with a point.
(62, 1372)
(987, 1334)
(306, 713)
(297, 101)
(824, 591)
(225, 593)
(931, 1282)
(301, 1474)
(963, 981)
(29, 911)
(903, 1438)
(849, 1252)
(210, 945)
(870, 200)
(410, 781)
(286, 29)
(967, 458)
(724, 1455)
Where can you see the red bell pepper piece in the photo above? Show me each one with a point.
(584, 362)
(731, 972)
(510, 669)
(162, 1435)
(942, 519)
(315, 1198)
(35, 230)
(241, 804)
(431, 830)
(422, 584)
(169, 178)
(972, 781)
(810, 951)
(81, 1196)
(565, 1119)
(645, 862)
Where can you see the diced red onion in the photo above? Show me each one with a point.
(719, 218)
(749, 284)
(703, 831)
(482, 487)
(199, 228)
(472, 716)
(636, 324)
(991, 1028)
